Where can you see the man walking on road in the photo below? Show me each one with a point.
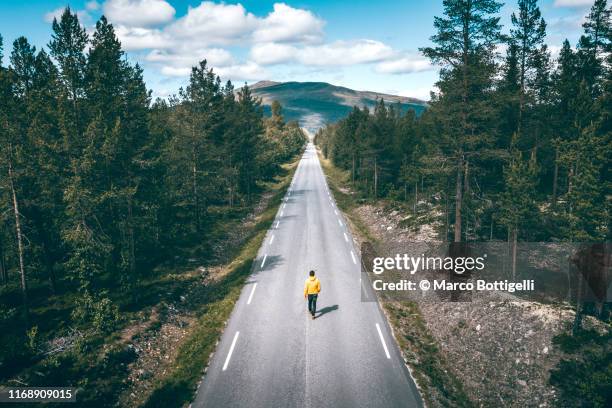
(311, 291)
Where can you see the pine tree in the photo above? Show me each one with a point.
(276, 120)
(44, 208)
(587, 213)
(528, 34)
(518, 200)
(465, 42)
(203, 102)
(105, 74)
(564, 90)
(509, 96)
(593, 46)
(22, 64)
(5, 96)
(250, 128)
(17, 149)
(67, 47)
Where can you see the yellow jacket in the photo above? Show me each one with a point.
(312, 286)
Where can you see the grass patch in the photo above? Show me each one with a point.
(347, 201)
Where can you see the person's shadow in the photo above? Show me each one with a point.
(326, 310)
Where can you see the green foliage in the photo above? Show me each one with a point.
(96, 311)
(32, 336)
(518, 206)
(584, 376)
(106, 185)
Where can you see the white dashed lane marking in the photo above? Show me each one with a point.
(231, 350)
(382, 340)
(251, 295)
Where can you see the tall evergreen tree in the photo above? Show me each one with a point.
(250, 126)
(593, 46)
(67, 47)
(564, 90)
(518, 203)
(528, 34)
(22, 64)
(464, 47)
(44, 209)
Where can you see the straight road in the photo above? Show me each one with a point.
(272, 354)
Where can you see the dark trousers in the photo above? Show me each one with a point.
(312, 304)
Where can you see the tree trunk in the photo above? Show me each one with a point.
(555, 178)
(3, 267)
(50, 271)
(375, 179)
(131, 240)
(466, 179)
(578, 317)
(458, 200)
(416, 196)
(20, 249)
(514, 245)
(37, 218)
(353, 170)
(194, 188)
(447, 221)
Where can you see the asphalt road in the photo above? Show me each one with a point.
(272, 354)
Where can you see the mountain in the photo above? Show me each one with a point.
(314, 104)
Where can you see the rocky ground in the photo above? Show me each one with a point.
(499, 348)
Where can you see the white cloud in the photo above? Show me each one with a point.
(186, 58)
(92, 5)
(57, 14)
(175, 72)
(136, 38)
(554, 50)
(139, 13)
(273, 53)
(573, 3)
(340, 53)
(249, 71)
(288, 24)
(54, 14)
(567, 23)
(211, 23)
(405, 65)
(286, 35)
(337, 53)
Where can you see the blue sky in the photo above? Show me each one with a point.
(361, 44)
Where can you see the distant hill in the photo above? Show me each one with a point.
(314, 104)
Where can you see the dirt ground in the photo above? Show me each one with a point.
(499, 348)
